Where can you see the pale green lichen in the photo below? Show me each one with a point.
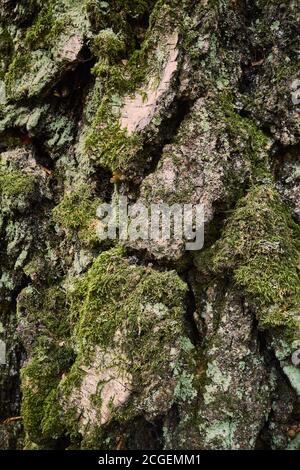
(220, 434)
(219, 383)
(293, 374)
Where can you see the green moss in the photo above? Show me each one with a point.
(108, 45)
(39, 380)
(51, 356)
(45, 29)
(19, 66)
(244, 133)
(49, 23)
(117, 12)
(6, 50)
(15, 184)
(76, 214)
(47, 308)
(113, 292)
(121, 70)
(260, 246)
(145, 306)
(117, 296)
(111, 146)
(106, 143)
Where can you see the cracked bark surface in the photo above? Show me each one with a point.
(144, 345)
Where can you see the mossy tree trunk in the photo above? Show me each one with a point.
(144, 345)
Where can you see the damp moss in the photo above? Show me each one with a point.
(260, 246)
(46, 307)
(111, 146)
(20, 65)
(106, 143)
(76, 214)
(108, 45)
(6, 50)
(49, 23)
(51, 355)
(116, 13)
(118, 306)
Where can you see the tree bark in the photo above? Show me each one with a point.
(137, 343)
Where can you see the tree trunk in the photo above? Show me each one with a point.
(131, 342)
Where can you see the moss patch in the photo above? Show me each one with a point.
(113, 292)
(244, 135)
(16, 188)
(45, 29)
(15, 183)
(76, 214)
(118, 309)
(39, 381)
(51, 355)
(260, 246)
(122, 70)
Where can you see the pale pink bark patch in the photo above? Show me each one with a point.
(107, 378)
(138, 111)
(71, 49)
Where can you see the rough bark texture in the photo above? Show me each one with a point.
(144, 345)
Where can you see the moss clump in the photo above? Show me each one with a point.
(116, 13)
(121, 71)
(113, 293)
(244, 135)
(46, 308)
(260, 246)
(76, 214)
(48, 24)
(106, 143)
(50, 353)
(40, 378)
(45, 29)
(135, 316)
(108, 45)
(16, 187)
(19, 65)
(111, 146)
(146, 308)
(6, 50)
